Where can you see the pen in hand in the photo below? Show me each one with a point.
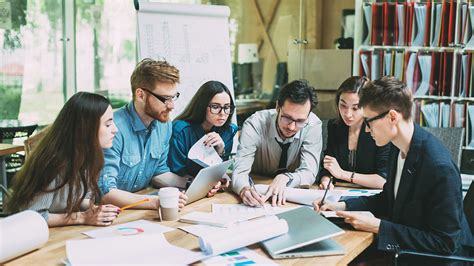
(252, 185)
(325, 193)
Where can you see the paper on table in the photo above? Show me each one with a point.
(22, 233)
(142, 227)
(243, 256)
(305, 196)
(244, 209)
(200, 230)
(203, 155)
(331, 214)
(217, 219)
(359, 192)
(138, 249)
(243, 235)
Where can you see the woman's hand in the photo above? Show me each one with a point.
(215, 140)
(331, 164)
(223, 184)
(101, 215)
(325, 182)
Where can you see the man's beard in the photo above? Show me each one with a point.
(162, 116)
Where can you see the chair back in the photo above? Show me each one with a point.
(31, 142)
(452, 138)
(469, 206)
(10, 133)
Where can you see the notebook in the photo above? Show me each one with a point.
(308, 236)
(205, 180)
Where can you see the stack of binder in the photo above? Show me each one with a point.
(427, 73)
(402, 23)
(464, 76)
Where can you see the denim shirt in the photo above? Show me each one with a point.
(137, 154)
(185, 135)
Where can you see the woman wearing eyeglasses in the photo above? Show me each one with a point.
(351, 154)
(209, 113)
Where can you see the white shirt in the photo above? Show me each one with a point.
(258, 151)
(400, 164)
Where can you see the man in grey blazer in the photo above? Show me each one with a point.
(283, 143)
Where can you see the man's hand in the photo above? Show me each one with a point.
(277, 190)
(223, 184)
(182, 200)
(360, 221)
(329, 206)
(251, 197)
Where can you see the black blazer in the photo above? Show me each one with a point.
(427, 215)
(370, 159)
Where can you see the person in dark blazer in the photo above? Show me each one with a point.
(351, 154)
(421, 206)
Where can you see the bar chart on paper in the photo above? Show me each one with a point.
(240, 257)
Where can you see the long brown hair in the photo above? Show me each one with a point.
(195, 111)
(69, 153)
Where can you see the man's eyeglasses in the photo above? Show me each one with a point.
(288, 121)
(163, 99)
(217, 109)
(377, 117)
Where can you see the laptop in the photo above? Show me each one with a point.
(308, 236)
(205, 180)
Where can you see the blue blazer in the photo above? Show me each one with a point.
(427, 215)
(184, 136)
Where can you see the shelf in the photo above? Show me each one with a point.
(432, 97)
(408, 48)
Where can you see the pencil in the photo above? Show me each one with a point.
(134, 204)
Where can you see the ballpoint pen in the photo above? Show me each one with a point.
(326, 192)
(252, 185)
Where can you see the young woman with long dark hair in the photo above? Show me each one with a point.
(59, 178)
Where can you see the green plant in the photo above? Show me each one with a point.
(10, 101)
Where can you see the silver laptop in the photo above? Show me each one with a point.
(205, 180)
(308, 236)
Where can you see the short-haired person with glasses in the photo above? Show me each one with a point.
(283, 144)
(208, 113)
(421, 206)
(140, 148)
(351, 155)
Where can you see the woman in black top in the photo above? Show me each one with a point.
(351, 154)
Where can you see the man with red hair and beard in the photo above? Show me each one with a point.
(140, 148)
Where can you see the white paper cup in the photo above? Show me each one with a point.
(169, 201)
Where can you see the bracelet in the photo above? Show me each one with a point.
(352, 177)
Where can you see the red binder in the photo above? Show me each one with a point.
(427, 24)
(409, 9)
(377, 24)
(389, 23)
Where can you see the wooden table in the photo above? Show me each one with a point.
(54, 251)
